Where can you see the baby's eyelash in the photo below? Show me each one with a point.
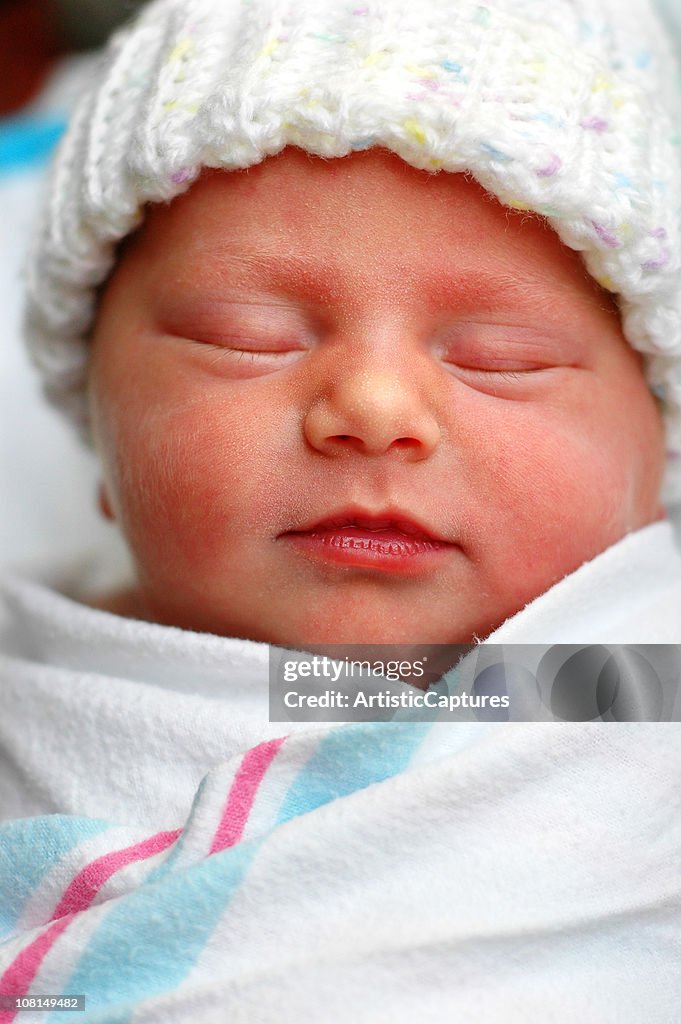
(218, 357)
(241, 355)
(505, 374)
(512, 375)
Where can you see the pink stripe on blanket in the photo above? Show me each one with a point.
(19, 976)
(87, 883)
(17, 979)
(242, 794)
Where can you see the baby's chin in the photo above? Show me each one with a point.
(129, 603)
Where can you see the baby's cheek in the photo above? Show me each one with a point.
(559, 487)
(185, 488)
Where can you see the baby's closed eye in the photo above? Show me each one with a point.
(508, 351)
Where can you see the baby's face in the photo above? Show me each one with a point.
(348, 401)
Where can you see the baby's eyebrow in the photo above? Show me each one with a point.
(288, 270)
(525, 290)
(466, 286)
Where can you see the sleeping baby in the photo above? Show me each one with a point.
(371, 312)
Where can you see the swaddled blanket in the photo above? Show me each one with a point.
(370, 873)
(184, 861)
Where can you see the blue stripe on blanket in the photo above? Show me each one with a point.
(29, 849)
(351, 758)
(151, 938)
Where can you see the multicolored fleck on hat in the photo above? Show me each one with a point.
(568, 108)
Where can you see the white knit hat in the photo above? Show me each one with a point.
(570, 108)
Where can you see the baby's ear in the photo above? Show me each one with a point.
(104, 503)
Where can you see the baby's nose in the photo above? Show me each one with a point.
(373, 414)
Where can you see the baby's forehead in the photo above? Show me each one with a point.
(301, 218)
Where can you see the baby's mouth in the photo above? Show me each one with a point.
(386, 542)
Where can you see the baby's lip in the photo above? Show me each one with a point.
(391, 519)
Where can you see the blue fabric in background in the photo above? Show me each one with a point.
(28, 141)
(671, 14)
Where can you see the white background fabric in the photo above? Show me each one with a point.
(48, 480)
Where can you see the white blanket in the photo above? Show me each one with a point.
(184, 862)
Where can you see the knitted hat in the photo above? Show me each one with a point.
(569, 108)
